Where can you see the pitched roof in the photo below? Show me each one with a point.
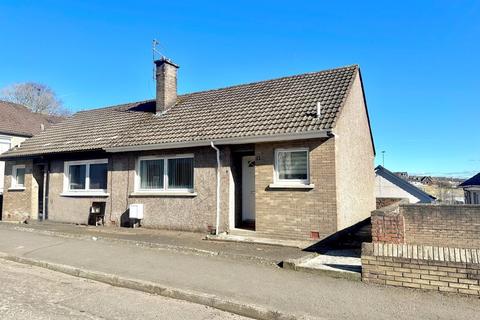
(280, 106)
(18, 120)
(403, 184)
(473, 181)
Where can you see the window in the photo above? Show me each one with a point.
(291, 166)
(165, 174)
(18, 177)
(180, 173)
(151, 174)
(89, 176)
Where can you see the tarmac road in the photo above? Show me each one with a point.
(28, 292)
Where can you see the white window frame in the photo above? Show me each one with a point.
(165, 189)
(87, 190)
(294, 182)
(14, 185)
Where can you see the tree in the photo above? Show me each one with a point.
(35, 96)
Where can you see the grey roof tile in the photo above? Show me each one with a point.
(284, 105)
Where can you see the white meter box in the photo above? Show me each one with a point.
(136, 211)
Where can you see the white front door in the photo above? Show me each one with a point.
(248, 188)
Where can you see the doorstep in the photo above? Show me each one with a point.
(246, 236)
(335, 263)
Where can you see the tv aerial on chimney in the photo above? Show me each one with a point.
(155, 53)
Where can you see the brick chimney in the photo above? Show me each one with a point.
(166, 75)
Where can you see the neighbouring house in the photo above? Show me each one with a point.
(18, 123)
(289, 158)
(471, 189)
(426, 180)
(391, 185)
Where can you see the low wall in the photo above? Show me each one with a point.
(428, 224)
(424, 267)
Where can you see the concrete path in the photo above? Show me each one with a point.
(336, 263)
(251, 283)
(35, 293)
(174, 240)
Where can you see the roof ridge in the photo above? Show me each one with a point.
(274, 79)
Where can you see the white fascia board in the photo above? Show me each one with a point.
(227, 141)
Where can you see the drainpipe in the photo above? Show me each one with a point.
(218, 187)
(44, 195)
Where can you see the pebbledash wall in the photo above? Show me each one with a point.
(187, 212)
(354, 160)
(426, 246)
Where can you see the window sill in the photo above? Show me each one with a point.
(163, 194)
(290, 186)
(16, 189)
(84, 194)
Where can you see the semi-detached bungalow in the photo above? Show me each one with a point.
(288, 158)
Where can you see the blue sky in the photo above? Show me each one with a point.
(419, 59)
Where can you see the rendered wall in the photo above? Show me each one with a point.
(354, 160)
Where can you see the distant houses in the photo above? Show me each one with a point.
(393, 186)
(445, 189)
(471, 189)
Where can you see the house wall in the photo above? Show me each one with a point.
(16, 141)
(193, 213)
(354, 160)
(70, 209)
(294, 213)
(386, 189)
(19, 205)
(7, 142)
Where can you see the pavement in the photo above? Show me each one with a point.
(36, 293)
(300, 295)
(165, 239)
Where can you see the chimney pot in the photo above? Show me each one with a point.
(166, 76)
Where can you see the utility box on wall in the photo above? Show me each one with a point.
(136, 211)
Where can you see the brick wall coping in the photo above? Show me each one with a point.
(422, 252)
(392, 209)
(440, 205)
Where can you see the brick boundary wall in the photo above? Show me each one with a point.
(388, 224)
(444, 269)
(428, 224)
(442, 225)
